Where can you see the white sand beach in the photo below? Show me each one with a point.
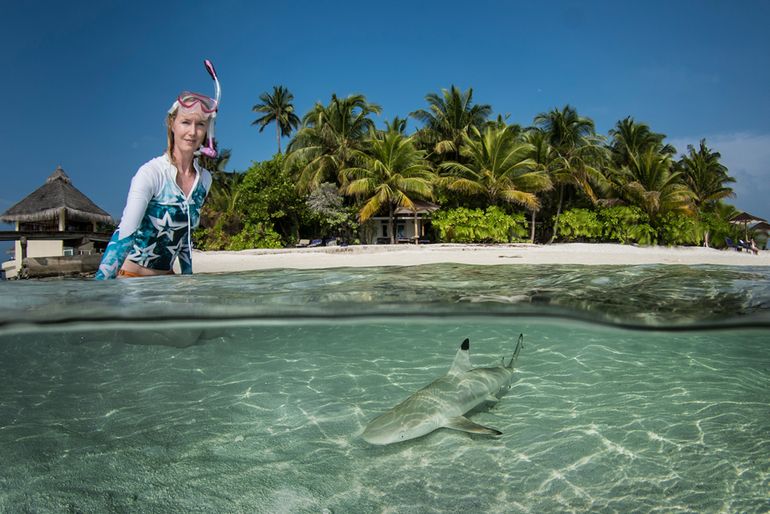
(411, 255)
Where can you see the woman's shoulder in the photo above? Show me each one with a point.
(153, 171)
(157, 165)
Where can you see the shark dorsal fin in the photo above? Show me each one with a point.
(462, 362)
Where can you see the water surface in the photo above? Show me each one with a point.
(639, 388)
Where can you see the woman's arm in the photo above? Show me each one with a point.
(143, 187)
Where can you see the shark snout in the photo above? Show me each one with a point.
(381, 437)
(398, 425)
(384, 429)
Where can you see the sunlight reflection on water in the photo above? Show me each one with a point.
(265, 415)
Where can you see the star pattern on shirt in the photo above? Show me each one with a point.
(180, 250)
(166, 226)
(108, 269)
(143, 256)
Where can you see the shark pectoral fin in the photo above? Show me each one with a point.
(465, 425)
(492, 398)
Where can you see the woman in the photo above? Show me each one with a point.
(166, 196)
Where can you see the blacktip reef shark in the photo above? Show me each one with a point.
(445, 401)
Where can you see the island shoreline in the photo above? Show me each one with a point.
(517, 253)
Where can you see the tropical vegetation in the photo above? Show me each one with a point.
(554, 179)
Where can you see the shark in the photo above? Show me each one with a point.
(444, 402)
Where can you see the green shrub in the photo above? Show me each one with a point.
(718, 229)
(463, 225)
(579, 224)
(269, 205)
(619, 223)
(626, 224)
(678, 229)
(643, 234)
(255, 235)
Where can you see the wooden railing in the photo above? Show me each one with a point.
(29, 235)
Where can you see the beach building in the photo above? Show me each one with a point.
(411, 225)
(753, 225)
(56, 220)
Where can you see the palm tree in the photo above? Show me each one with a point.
(392, 173)
(544, 157)
(278, 109)
(651, 183)
(497, 166)
(705, 175)
(578, 153)
(397, 125)
(329, 139)
(449, 117)
(632, 138)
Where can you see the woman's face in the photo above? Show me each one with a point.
(189, 129)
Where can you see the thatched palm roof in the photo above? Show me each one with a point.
(745, 217)
(46, 202)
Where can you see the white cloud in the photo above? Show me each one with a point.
(747, 157)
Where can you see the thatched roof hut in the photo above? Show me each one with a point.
(53, 199)
(745, 217)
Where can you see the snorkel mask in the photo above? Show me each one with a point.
(188, 101)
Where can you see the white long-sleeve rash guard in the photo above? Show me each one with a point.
(158, 220)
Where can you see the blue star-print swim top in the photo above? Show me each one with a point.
(157, 221)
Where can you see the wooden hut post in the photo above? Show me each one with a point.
(62, 219)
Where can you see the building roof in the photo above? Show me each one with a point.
(745, 217)
(45, 202)
(420, 207)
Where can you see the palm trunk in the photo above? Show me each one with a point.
(278, 135)
(532, 227)
(558, 213)
(391, 224)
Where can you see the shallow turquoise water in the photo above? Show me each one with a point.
(639, 389)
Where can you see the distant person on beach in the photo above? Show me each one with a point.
(753, 247)
(166, 195)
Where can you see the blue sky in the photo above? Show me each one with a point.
(87, 84)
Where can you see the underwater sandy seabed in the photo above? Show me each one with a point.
(267, 418)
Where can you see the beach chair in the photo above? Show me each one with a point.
(748, 247)
(303, 243)
(315, 242)
(730, 244)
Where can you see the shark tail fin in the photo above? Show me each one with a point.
(519, 346)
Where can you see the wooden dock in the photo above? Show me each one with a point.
(55, 266)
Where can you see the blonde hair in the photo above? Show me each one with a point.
(170, 136)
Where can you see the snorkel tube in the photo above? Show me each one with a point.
(210, 150)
